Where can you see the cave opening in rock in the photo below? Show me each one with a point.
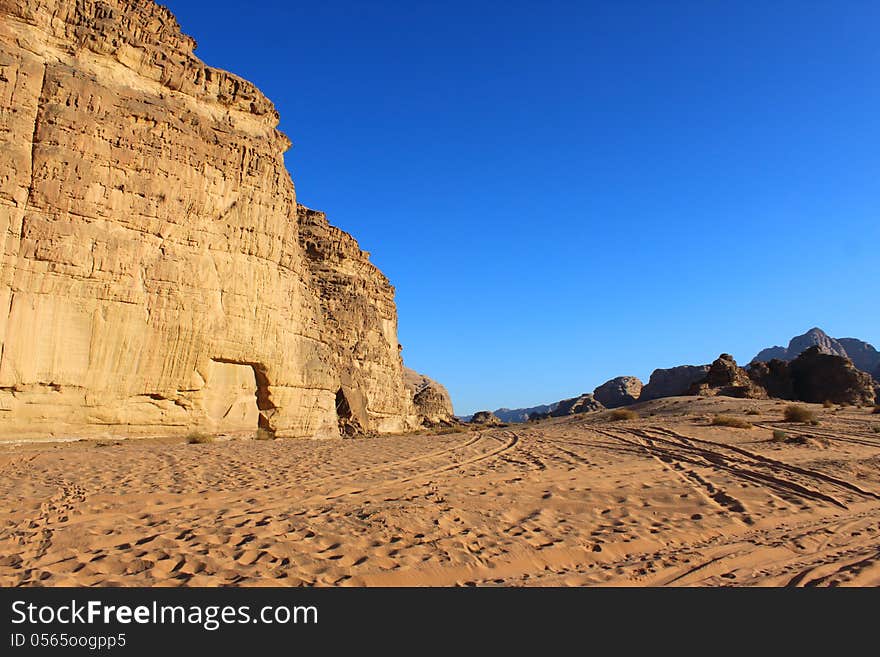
(344, 415)
(237, 396)
(264, 404)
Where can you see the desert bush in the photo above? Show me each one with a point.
(753, 411)
(876, 429)
(264, 434)
(196, 438)
(827, 404)
(876, 410)
(814, 422)
(622, 414)
(779, 434)
(727, 421)
(794, 413)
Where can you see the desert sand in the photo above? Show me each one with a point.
(665, 499)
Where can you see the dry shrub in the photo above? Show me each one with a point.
(795, 413)
(622, 414)
(264, 434)
(753, 411)
(196, 438)
(727, 421)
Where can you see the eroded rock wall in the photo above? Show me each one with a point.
(360, 321)
(432, 402)
(152, 266)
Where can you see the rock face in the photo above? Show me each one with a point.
(673, 381)
(620, 391)
(815, 377)
(582, 404)
(863, 355)
(157, 273)
(774, 377)
(727, 379)
(485, 417)
(432, 402)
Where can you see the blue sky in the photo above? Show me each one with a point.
(563, 192)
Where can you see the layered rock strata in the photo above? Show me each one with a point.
(156, 272)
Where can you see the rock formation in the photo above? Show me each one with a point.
(727, 379)
(485, 417)
(813, 337)
(582, 404)
(863, 355)
(673, 381)
(620, 391)
(433, 405)
(774, 377)
(157, 273)
(815, 376)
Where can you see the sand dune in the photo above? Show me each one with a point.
(666, 499)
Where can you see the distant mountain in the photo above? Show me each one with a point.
(863, 355)
(727, 379)
(516, 414)
(815, 337)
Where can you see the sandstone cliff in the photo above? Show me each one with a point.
(432, 403)
(156, 272)
(672, 381)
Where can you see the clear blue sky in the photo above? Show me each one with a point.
(563, 192)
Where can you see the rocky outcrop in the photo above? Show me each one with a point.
(673, 381)
(774, 377)
(433, 405)
(620, 391)
(157, 273)
(485, 417)
(815, 377)
(582, 404)
(727, 379)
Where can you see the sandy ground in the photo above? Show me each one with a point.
(662, 500)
